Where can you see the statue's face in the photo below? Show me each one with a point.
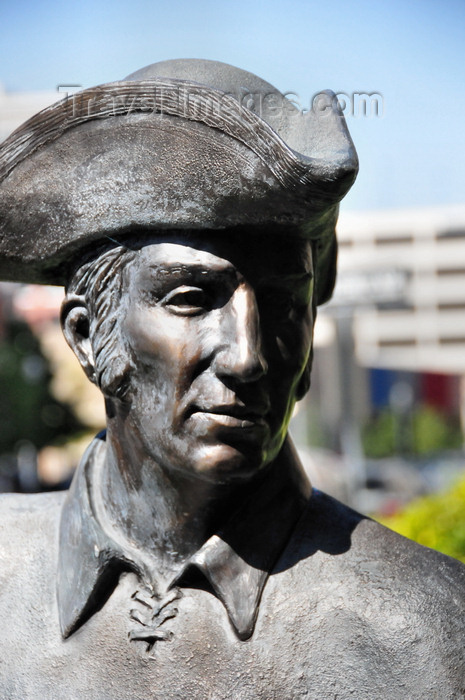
(220, 331)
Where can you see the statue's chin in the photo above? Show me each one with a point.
(223, 463)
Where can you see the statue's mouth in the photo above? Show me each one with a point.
(232, 416)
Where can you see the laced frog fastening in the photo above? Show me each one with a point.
(151, 614)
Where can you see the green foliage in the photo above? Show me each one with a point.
(28, 410)
(425, 431)
(436, 521)
(433, 432)
(379, 436)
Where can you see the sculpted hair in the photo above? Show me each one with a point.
(100, 282)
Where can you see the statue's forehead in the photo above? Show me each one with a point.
(255, 256)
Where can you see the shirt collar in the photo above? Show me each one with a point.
(236, 561)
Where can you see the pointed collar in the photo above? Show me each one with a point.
(236, 561)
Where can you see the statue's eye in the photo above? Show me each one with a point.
(187, 301)
(283, 305)
(279, 305)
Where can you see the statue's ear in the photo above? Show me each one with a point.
(75, 325)
(304, 382)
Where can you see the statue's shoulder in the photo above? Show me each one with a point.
(28, 527)
(370, 562)
(382, 611)
(21, 508)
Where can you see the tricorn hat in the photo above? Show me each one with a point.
(184, 144)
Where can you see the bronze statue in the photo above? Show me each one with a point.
(190, 211)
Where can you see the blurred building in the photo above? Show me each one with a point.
(392, 340)
(394, 331)
(403, 272)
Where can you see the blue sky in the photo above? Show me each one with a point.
(412, 52)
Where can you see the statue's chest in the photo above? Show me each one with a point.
(181, 647)
(305, 646)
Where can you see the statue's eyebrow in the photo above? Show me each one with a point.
(292, 277)
(177, 269)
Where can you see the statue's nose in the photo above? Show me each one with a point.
(240, 350)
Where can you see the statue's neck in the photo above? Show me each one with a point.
(165, 515)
